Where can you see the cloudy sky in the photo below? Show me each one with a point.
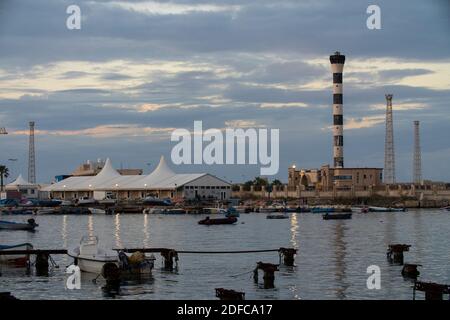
(138, 69)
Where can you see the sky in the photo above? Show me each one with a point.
(137, 70)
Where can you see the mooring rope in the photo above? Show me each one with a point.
(226, 252)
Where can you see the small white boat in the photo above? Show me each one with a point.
(65, 203)
(107, 201)
(48, 211)
(91, 258)
(96, 211)
(277, 216)
(85, 201)
(216, 210)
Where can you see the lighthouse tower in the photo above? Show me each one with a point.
(337, 66)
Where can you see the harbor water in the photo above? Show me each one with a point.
(331, 263)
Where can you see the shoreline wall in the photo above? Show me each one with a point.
(399, 195)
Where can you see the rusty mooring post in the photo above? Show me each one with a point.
(226, 294)
(169, 256)
(289, 256)
(433, 291)
(410, 270)
(269, 273)
(41, 264)
(111, 273)
(395, 252)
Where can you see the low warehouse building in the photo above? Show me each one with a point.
(161, 183)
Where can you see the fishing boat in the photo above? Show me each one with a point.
(10, 225)
(17, 211)
(322, 210)
(232, 212)
(91, 258)
(74, 210)
(337, 216)
(214, 210)
(152, 201)
(385, 209)
(277, 216)
(49, 203)
(241, 209)
(83, 201)
(16, 259)
(48, 211)
(96, 211)
(207, 221)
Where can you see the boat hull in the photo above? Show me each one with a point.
(337, 216)
(209, 222)
(277, 216)
(16, 260)
(8, 225)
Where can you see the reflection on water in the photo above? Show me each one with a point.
(294, 231)
(91, 226)
(64, 231)
(340, 250)
(117, 231)
(330, 264)
(145, 232)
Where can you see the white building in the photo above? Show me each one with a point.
(27, 190)
(161, 183)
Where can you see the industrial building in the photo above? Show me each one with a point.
(339, 177)
(161, 183)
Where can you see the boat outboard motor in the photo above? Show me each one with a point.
(32, 222)
(124, 263)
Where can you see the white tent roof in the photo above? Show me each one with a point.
(109, 179)
(107, 174)
(161, 173)
(20, 181)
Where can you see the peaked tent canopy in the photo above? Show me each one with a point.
(20, 181)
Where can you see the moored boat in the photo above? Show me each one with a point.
(207, 221)
(96, 211)
(322, 210)
(91, 258)
(385, 209)
(16, 260)
(10, 225)
(277, 216)
(446, 208)
(337, 216)
(232, 212)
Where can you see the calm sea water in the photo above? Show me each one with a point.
(331, 263)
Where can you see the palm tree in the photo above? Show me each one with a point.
(4, 173)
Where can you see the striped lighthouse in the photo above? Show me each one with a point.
(337, 66)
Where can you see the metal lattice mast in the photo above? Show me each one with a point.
(417, 165)
(389, 153)
(31, 156)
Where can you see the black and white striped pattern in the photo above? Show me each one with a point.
(337, 66)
